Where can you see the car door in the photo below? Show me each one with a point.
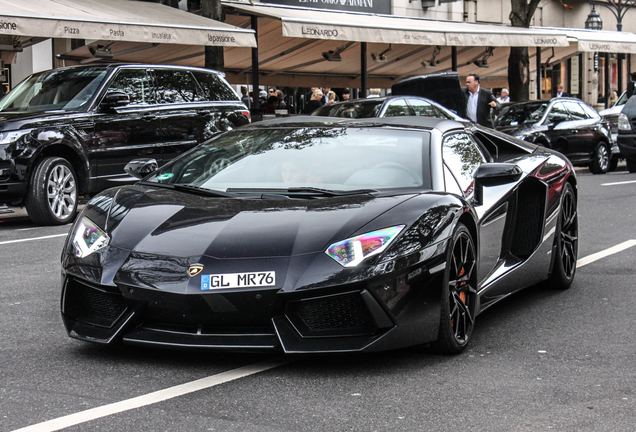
(561, 132)
(182, 119)
(586, 130)
(126, 132)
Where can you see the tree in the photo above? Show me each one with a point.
(519, 62)
(213, 54)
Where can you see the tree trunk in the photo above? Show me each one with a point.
(519, 74)
(519, 63)
(213, 54)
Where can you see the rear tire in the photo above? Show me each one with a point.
(459, 294)
(631, 165)
(600, 159)
(52, 195)
(566, 241)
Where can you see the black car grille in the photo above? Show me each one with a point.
(612, 120)
(96, 305)
(529, 219)
(344, 314)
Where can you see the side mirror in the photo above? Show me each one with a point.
(114, 99)
(140, 168)
(556, 119)
(494, 174)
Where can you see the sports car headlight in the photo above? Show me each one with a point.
(352, 251)
(623, 123)
(88, 238)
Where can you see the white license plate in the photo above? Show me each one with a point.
(238, 280)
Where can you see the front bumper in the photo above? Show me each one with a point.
(385, 314)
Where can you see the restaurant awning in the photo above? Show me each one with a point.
(116, 20)
(602, 40)
(362, 27)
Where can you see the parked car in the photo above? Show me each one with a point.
(610, 115)
(627, 133)
(68, 132)
(567, 125)
(390, 106)
(314, 234)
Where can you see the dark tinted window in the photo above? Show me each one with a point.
(135, 83)
(576, 111)
(558, 112)
(423, 108)
(214, 87)
(397, 108)
(175, 86)
(358, 109)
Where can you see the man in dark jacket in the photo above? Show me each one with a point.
(479, 101)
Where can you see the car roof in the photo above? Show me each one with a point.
(111, 66)
(408, 122)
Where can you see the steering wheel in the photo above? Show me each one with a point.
(396, 166)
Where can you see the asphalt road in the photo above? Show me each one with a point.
(540, 360)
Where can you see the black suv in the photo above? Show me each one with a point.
(69, 132)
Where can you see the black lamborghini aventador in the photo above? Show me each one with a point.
(321, 235)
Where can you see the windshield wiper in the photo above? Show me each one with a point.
(331, 193)
(191, 189)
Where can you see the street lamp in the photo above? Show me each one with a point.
(594, 21)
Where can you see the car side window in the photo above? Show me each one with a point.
(576, 111)
(426, 109)
(462, 156)
(135, 83)
(558, 113)
(214, 87)
(175, 86)
(397, 108)
(591, 112)
(451, 183)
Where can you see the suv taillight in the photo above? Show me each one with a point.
(623, 123)
(246, 113)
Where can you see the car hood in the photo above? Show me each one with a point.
(441, 87)
(19, 120)
(170, 223)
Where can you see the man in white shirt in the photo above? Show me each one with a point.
(504, 98)
(479, 101)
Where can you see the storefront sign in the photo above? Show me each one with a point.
(371, 6)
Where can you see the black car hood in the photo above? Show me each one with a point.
(170, 223)
(516, 130)
(441, 87)
(19, 120)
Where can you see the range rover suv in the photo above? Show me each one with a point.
(67, 133)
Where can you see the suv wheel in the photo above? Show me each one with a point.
(631, 165)
(600, 159)
(52, 195)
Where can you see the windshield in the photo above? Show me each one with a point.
(334, 159)
(358, 109)
(521, 114)
(62, 89)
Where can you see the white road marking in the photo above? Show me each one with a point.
(32, 238)
(604, 253)
(618, 183)
(152, 398)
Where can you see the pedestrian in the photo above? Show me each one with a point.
(245, 98)
(374, 93)
(262, 97)
(281, 100)
(346, 94)
(331, 97)
(315, 102)
(479, 101)
(613, 98)
(504, 97)
(560, 92)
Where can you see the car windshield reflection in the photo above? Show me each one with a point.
(520, 114)
(328, 159)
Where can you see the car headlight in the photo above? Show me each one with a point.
(88, 238)
(8, 137)
(352, 251)
(623, 123)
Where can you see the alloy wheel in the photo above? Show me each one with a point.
(462, 288)
(61, 191)
(569, 233)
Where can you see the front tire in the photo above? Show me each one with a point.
(52, 194)
(566, 241)
(631, 165)
(600, 159)
(459, 294)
